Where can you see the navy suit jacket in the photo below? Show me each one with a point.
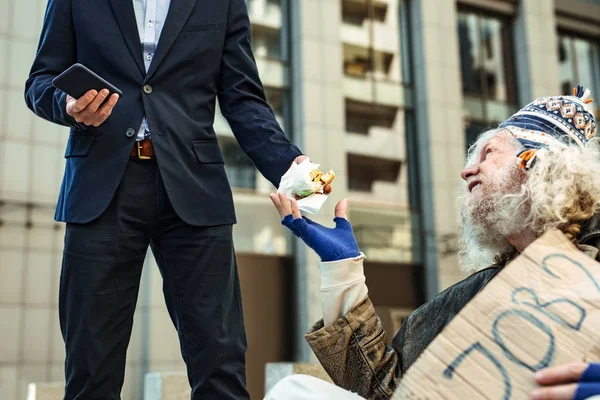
(203, 52)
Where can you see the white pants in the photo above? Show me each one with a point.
(305, 387)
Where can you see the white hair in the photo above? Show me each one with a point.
(561, 190)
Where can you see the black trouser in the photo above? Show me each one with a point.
(99, 284)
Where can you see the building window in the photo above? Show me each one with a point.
(488, 78)
(485, 57)
(266, 43)
(579, 64)
(361, 117)
(364, 171)
(269, 28)
(240, 169)
(357, 13)
(277, 99)
(472, 130)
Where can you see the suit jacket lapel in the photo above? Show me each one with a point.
(179, 12)
(125, 16)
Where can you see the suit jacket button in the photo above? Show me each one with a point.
(130, 132)
(147, 89)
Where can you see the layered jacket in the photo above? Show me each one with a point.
(354, 351)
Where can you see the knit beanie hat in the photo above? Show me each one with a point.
(559, 119)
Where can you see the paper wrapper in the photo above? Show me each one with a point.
(297, 180)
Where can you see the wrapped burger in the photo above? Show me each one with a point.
(305, 183)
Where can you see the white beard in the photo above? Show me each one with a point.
(492, 212)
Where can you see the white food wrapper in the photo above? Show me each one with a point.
(297, 180)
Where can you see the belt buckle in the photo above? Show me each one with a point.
(139, 152)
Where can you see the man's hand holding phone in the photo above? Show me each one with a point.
(89, 110)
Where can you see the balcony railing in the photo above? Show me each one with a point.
(374, 91)
(384, 38)
(380, 142)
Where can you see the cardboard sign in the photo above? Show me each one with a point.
(542, 309)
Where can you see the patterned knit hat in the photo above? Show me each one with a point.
(558, 119)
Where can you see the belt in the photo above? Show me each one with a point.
(143, 150)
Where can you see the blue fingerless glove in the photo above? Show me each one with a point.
(330, 244)
(589, 383)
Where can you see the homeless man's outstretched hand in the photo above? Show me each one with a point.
(575, 381)
(331, 244)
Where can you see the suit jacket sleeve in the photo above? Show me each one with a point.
(354, 353)
(56, 52)
(242, 100)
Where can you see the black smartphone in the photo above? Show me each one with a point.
(77, 80)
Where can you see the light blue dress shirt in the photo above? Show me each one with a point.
(150, 16)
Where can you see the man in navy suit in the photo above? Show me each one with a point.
(146, 169)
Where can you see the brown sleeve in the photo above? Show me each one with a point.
(354, 353)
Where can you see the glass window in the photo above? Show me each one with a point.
(493, 56)
(485, 57)
(470, 59)
(473, 130)
(278, 99)
(269, 28)
(488, 79)
(266, 43)
(579, 63)
(240, 169)
(275, 98)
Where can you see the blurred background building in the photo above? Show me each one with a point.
(388, 93)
